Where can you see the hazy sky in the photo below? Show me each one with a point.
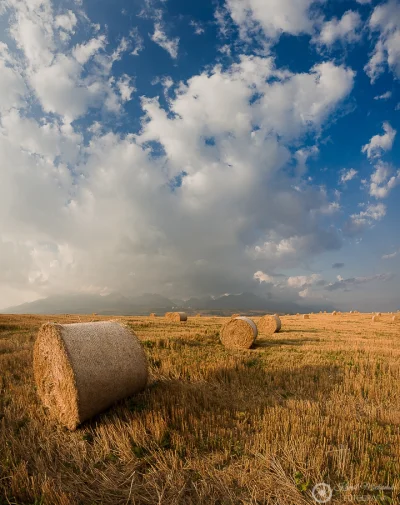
(201, 147)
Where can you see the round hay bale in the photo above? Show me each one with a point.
(375, 318)
(379, 314)
(233, 316)
(334, 313)
(269, 324)
(306, 316)
(239, 333)
(177, 317)
(81, 369)
(198, 315)
(395, 318)
(152, 315)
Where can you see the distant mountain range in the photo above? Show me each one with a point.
(118, 304)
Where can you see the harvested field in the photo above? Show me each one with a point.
(318, 402)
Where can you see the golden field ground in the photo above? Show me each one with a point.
(318, 402)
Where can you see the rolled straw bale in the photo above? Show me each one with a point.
(168, 315)
(81, 369)
(334, 313)
(152, 315)
(375, 318)
(306, 316)
(239, 333)
(269, 324)
(395, 318)
(176, 317)
(198, 315)
(233, 316)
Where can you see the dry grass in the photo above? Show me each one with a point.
(318, 402)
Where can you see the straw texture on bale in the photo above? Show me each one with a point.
(269, 324)
(306, 316)
(239, 333)
(176, 316)
(81, 369)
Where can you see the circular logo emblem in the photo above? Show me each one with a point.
(322, 493)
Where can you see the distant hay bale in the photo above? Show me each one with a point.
(198, 315)
(379, 314)
(152, 315)
(306, 316)
(233, 316)
(81, 369)
(395, 318)
(375, 318)
(297, 314)
(176, 317)
(334, 313)
(239, 333)
(269, 324)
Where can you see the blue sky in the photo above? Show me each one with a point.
(201, 148)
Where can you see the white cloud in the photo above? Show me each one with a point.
(160, 37)
(379, 143)
(84, 52)
(384, 96)
(383, 180)
(273, 17)
(262, 277)
(385, 20)
(125, 87)
(66, 21)
(345, 29)
(301, 281)
(347, 175)
(372, 213)
(196, 201)
(364, 2)
(390, 256)
(198, 27)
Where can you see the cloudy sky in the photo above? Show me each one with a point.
(201, 148)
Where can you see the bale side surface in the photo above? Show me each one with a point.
(239, 333)
(177, 317)
(83, 368)
(269, 324)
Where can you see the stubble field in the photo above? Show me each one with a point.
(317, 403)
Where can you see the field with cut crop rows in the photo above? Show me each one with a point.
(317, 403)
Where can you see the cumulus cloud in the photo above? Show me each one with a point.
(360, 221)
(160, 37)
(300, 281)
(346, 29)
(383, 180)
(380, 143)
(196, 201)
(384, 96)
(385, 20)
(273, 18)
(347, 175)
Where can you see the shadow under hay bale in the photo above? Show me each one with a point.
(239, 333)
(81, 369)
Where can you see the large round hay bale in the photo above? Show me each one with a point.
(81, 369)
(269, 324)
(375, 318)
(306, 316)
(239, 333)
(176, 317)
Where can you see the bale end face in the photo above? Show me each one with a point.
(239, 333)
